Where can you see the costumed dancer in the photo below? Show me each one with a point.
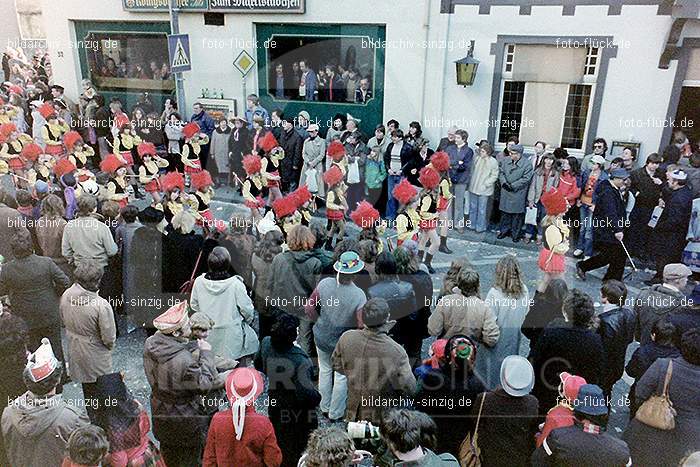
(552, 261)
(440, 161)
(53, 130)
(194, 140)
(336, 151)
(286, 214)
(11, 149)
(64, 171)
(254, 187)
(429, 178)
(336, 204)
(42, 169)
(367, 218)
(78, 154)
(124, 146)
(407, 217)
(30, 154)
(305, 203)
(202, 183)
(271, 155)
(174, 196)
(149, 170)
(117, 185)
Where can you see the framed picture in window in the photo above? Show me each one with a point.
(218, 108)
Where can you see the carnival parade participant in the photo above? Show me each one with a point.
(124, 147)
(428, 205)
(552, 260)
(78, 154)
(336, 204)
(149, 170)
(254, 188)
(336, 152)
(53, 130)
(271, 154)
(286, 214)
(440, 161)
(305, 203)
(11, 148)
(30, 153)
(366, 217)
(117, 185)
(204, 193)
(194, 140)
(173, 186)
(407, 217)
(63, 171)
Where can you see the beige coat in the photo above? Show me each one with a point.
(313, 154)
(456, 314)
(376, 367)
(91, 333)
(484, 175)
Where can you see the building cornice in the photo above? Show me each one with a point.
(568, 6)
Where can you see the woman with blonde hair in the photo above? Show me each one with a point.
(49, 231)
(509, 300)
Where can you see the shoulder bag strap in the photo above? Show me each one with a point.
(478, 418)
(667, 380)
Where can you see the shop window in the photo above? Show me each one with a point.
(343, 68)
(576, 116)
(129, 61)
(511, 110)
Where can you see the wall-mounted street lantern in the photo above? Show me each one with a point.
(466, 68)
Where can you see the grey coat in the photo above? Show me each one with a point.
(219, 149)
(313, 154)
(518, 175)
(91, 333)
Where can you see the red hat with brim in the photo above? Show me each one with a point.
(243, 386)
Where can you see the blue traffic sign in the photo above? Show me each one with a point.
(179, 53)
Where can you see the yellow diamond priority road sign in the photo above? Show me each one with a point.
(244, 62)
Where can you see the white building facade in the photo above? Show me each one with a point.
(560, 71)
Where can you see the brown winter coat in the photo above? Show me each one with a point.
(91, 333)
(178, 377)
(10, 221)
(36, 430)
(470, 316)
(375, 366)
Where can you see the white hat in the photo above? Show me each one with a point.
(312, 127)
(678, 174)
(42, 363)
(597, 159)
(350, 117)
(517, 376)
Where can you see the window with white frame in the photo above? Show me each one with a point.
(546, 94)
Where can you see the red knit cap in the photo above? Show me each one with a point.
(333, 176)
(111, 164)
(268, 142)
(146, 149)
(365, 216)
(404, 192)
(440, 161)
(301, 195)
(336, 150)
(429, 177)
(201, 179)
(62, 167)
(70, 138)
(554, 202)
(252, 164)
(284, 206)
(172, 180)
(190, 130)
(31, 151)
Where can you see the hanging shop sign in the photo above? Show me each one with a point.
(257, 6)
(145, 6)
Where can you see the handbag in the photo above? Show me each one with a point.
(469, 452)
(186, 287)
(657, 411)
(531, 216)
(249, 334)
(353, 173)
(311, 180)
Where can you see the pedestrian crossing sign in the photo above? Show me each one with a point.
(179, 53)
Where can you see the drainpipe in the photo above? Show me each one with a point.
(426, 26)
(448, 30)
